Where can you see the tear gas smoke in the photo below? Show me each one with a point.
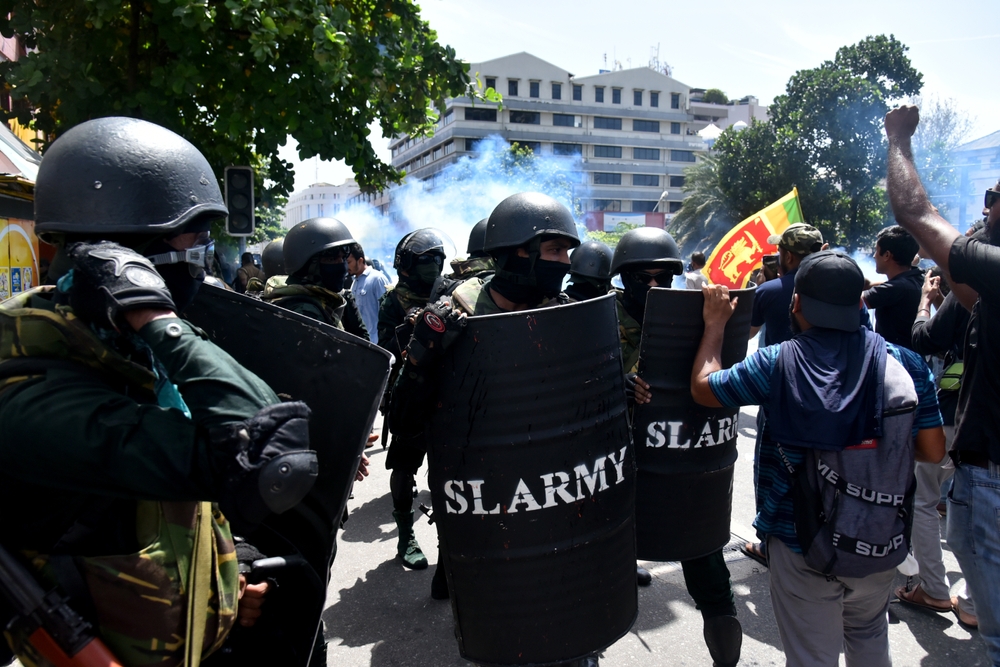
(461, 195)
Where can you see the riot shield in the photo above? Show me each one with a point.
(532, 479)
(341, 377)
(685, 453)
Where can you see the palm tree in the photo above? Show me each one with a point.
(704, 216)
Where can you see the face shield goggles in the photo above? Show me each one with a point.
(198, 257)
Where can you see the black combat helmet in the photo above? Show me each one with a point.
(647, 247)
(520, 218)
(272, 258)
(311, 237)
(123, 176)
(421, 242)
(477, 239)
(591, 260)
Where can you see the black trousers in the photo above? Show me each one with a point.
(707, 581)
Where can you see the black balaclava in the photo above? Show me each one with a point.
(326, 275)
(528, 279)
(584, 288)
(424, 271)
(634, 295)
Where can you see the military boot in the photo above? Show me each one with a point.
(724, 638)
(407, 547)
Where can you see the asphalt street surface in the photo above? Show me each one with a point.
(380, 614)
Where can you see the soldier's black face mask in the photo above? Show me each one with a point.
(549, 276)
(332, 275)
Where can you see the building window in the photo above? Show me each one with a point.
(607, 179)
(637, 98)
(607, 205)
(491, 82)
(681, 156)
(563, 120)
(654, 99)
(616, 95)
(471, 113)
(645, 179)
(644, 206)
(675, 128)
(675, 100)
(608, 151)
(449, 148)
(677, 181)
(598, 94)
(567, 149)
(577, 93)
(602, 123)
(526, 117)
(448, 117)
(533, 146)
(533, 89)
(557, 91)
(645, 126)
(675, 206)
(512, 87)
(470, 144)
(645, 153)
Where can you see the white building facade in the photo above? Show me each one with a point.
(319, 200)
(634, 130)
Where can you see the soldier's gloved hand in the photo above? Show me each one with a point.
(637, 389)
(270, 467)
(109, 279)
(436, 328)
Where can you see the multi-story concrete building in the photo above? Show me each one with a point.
(633, 130)
(319, 200)
(744, 111)
(979, 165)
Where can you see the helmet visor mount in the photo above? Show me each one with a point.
(198, 257)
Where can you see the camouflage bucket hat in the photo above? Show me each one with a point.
(800, 238)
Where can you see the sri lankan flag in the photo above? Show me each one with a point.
(740, 251)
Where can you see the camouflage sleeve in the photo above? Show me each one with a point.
(353, 324)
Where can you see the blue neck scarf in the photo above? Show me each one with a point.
(827, 389)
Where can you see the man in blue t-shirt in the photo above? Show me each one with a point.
(825, 392)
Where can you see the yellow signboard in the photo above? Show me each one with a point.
(18, 257)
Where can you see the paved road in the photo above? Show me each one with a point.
(380, 614)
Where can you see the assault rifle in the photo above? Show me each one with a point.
(48, 623)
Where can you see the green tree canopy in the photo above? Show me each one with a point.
(715, 96)
(824, 137)
(236, 77)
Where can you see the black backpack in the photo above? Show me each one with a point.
(854, 508)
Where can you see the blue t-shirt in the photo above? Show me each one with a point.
(770, 307)
(749, 383)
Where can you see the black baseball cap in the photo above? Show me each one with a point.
(829, 285)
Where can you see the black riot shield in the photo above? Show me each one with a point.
(341, 377)
(532, 478)
(685, 453)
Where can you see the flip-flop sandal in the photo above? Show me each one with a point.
(918, 598)
(965, 619)
(756, 551)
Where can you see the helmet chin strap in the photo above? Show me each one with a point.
(534, 252)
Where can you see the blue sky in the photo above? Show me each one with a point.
(743, 48)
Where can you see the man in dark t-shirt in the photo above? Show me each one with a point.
(895, 301)
(974, 501)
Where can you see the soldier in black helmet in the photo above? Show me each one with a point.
(125, 427)
(477, 263)
(648, 257)
(315, 257)
(418, 261)
(589, 271)
(529, 236)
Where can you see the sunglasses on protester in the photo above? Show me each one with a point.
(991, 197)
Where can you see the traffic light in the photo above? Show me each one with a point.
(239, 201)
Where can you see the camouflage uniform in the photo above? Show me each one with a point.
(463, 268)
(337, 309)
(630, 333)
(112, 471)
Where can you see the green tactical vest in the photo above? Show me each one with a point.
(173, 602)
(472, 298)
(630, 335)
(463, 268)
